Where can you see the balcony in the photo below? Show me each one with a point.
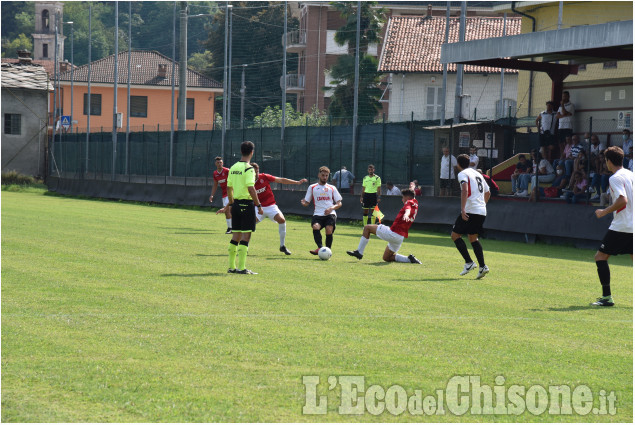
(295, 83)
(296, 41)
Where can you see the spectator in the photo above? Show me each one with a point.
(545, 172)
(392, 190)
(546, 123)
(560, 182)
(565, 153)
(347, 180)
(576, 148)
(627, 147)
(565, 117)
(579, 185)
(522, 167)
(473, 158)
(448, 164)
(600, 180)
(596, 148)
(493, 187)
(415, 187)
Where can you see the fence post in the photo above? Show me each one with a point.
(262, 158)
(411, 147)
(306, 147)
(588, 162)
(383, 144)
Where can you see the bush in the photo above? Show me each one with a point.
(13, 178)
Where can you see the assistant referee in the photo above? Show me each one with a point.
(242, 198)
(371, 194)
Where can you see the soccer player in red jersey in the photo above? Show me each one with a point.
(268, 202)
(220, 178)
(394, 234)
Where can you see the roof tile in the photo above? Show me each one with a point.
(413, 43)
(19, 76)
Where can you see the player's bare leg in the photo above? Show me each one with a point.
(317, 237)
(282, 230)
(328, 230)
(359, 252)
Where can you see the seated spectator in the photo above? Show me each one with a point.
(596, 148)
(545, 173)
(576, 148)
(521, 168)
(578, 185)
(580, 163)
(493, 187)
(559, 183)
(565, 153)
(600, 179)
(392, 190)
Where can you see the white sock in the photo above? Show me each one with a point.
(362, 245)
(401, 258)
(229, 222)
(282, 229)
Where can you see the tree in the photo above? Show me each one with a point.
(22, 42)
(256, 40)
(201, 62)
(272, 117)
(341, 107)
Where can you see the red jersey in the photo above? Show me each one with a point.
(221, 178)
(402, 223)
(263, 189)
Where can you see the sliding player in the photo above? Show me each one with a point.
(326, 200)
(268, 202)
(394, 234)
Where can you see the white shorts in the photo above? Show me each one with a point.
(394, 240)
(271, 211)
(225, 201)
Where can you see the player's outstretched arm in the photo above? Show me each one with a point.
(283, 180)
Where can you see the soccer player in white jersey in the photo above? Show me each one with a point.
(619, 238)
(326, 199)
(474, 196)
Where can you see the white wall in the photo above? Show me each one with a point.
(483, 93)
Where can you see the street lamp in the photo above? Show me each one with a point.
(72, 69)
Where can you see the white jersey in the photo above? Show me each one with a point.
(474, 159)
(323, 197)
(476, 188)
(621, 184)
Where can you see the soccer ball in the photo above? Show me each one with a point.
(324, 253)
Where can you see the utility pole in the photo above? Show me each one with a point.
(173, 83)
(445, 65)
(284, 91)
(356, 88)
(229, 70)
(224, 123)
(128, 91)
(183, 69)
(114, 106)
(242, 98)
(88, 101)
(459, 70)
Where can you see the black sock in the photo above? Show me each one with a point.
(478, 251)
(246, 243)
(329, 240)
(317, 237)
(233, 242)
(460, 245)
(605, 277)
(370, 218)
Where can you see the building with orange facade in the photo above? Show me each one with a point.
(151, 76)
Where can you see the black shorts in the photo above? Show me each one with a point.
(473, 225)
(243, 216)
(563, 133)
(547, 139)
(445, 183)
(616, 243)
(369, 200)
(324, 220)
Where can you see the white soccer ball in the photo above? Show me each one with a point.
(324, 253)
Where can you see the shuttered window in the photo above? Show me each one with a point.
(139, 106)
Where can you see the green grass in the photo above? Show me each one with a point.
(124, 312)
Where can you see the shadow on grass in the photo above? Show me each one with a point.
(446, 279)
(211, 255)
(194, 274)
(578, 308)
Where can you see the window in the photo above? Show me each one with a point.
(433, 103)
(610, 64)
(45, 50)
(139, 106)
(582, 67)
(45, 20)
(189, 109)
(95, 104)
(12, 124)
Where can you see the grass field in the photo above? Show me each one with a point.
(123, 312)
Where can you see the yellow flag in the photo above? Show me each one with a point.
(378, 215)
